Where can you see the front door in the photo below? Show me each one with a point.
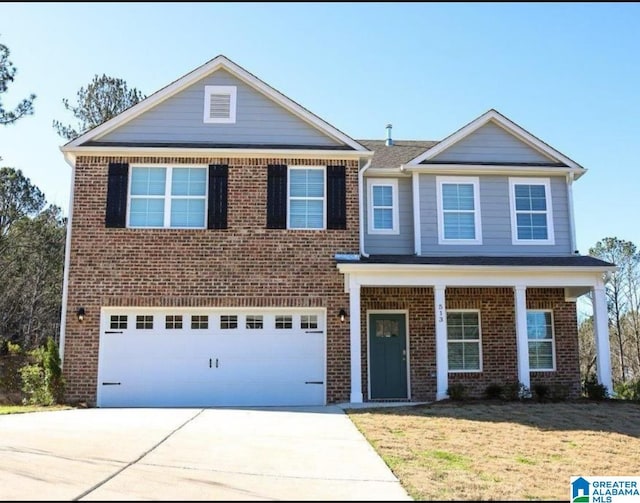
(388, 355)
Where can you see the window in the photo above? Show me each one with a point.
(540, 335)
(199, 322)
(228, 321)
(458, 210)
(173, 321)
(254, 321)
(463, 341)
(382, 213)
(144, 322)
(118, 321)
(168, 197)
(306, 198)
(531, 215)
(285, 321)
(220, 104)
(308, 321)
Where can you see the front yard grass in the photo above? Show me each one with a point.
(19, 409)
(479, 450)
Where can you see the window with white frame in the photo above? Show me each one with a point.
(168, 197)
(464, 341)
(383, 216)
(541, 341)
(458, 210)
(306, 193)
(220, 104)
(531, 214)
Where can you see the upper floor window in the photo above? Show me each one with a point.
(306, 195)
(541, 344)
(382, 215)
(459, 210)
(531, 215)
(168, 197)
(220, 104)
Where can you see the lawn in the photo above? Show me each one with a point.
(19, 409)
(478, 450)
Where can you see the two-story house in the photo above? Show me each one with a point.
(226, 246)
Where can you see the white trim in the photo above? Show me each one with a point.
(395, 211)
(546, 182)
(601, 325)
(167, 194)
(509, 126)
(324, 197)
(201, 72)
(477, 219)
(397, 275)
(522, 338)
(442, 358)
(488, 169)
(405, 312)
(572, 220)
(361, 207)
(232, 92)
(67, 264)
(553, 340)
(266, 153)
(469, 371)
(355, 343)
(417, 231)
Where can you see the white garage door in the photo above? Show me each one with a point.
(199, 358)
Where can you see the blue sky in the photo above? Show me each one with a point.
(568, 73)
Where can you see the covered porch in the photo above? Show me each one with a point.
(510, 319)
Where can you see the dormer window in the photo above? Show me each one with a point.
(220, 104)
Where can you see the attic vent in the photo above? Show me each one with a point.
(220, 104)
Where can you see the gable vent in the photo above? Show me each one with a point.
(220, 104)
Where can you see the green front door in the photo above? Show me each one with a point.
(388, 356)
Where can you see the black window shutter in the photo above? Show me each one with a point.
(218, 183)
(276, 196)
(336, 197)
(116, 215)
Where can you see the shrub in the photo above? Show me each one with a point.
(542, 392)
(629, 390)
(42, 382)
(457, 391)
(10, 380)
(515, 391)
(593, 390)
(494, 390)
(559, 392)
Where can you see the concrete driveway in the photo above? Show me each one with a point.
(313, 453)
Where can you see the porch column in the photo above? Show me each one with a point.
(522, 340)
(601, 325)
(442, 360)
(356, 346)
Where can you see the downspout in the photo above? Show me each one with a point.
(572, 223)
(70, 158)
(361, 208)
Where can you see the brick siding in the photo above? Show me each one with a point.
(243, 265)
(497, 313)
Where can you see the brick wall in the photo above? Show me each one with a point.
(499, 357)
(244, 265)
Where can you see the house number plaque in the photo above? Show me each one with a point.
(440, 313)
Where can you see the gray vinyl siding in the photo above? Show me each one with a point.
(496, 220)
(259, 120)
(392, 244)
(491, 143)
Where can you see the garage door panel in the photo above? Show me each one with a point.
(212, 366)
